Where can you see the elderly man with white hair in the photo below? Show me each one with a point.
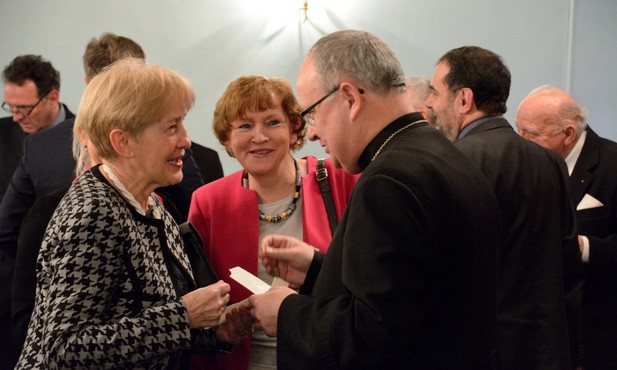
(554, 119)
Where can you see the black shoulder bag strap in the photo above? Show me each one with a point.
(203, 273)
(322, 178)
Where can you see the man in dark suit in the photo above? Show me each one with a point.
(11, 140)
(31, 96)
(407, 279)
(554, 119)
(470, 87)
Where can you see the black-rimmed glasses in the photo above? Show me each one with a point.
(309, 120)
(25, 110)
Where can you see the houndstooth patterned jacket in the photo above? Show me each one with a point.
(88, 313)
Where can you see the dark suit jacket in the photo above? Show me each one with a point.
(408, 280)
(208, 162)
(46, 165)
(11, 139)
(595, 173)
(530, 183)
(11, 149)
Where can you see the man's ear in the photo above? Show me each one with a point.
(53, 96)
(121, 142)
(570, 131)
(354, 98)
(466, 100)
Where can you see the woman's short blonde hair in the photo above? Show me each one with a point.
(254, 93)
(80, 152)
(130, 95)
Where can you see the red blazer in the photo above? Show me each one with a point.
(225, 215)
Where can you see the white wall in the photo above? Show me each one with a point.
(594, 63)
(212, 42)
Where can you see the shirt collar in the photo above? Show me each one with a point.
(575, 152)
(473, 125)
(61, 116)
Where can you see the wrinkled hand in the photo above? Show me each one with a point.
(265, 308)
(205, 305)
(286, 257)
(237, 327)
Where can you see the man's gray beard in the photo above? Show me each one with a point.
(450, 134)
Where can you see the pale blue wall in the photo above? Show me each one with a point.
(214, 41)
(594, 63)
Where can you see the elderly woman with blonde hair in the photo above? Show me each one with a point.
(115, 285)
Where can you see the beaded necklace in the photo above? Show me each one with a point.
(292, 207)
(395, 133)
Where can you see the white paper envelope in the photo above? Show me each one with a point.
(252, 282)
(248, 280)
(588, 202)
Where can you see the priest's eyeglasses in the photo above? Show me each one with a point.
(306, 114)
